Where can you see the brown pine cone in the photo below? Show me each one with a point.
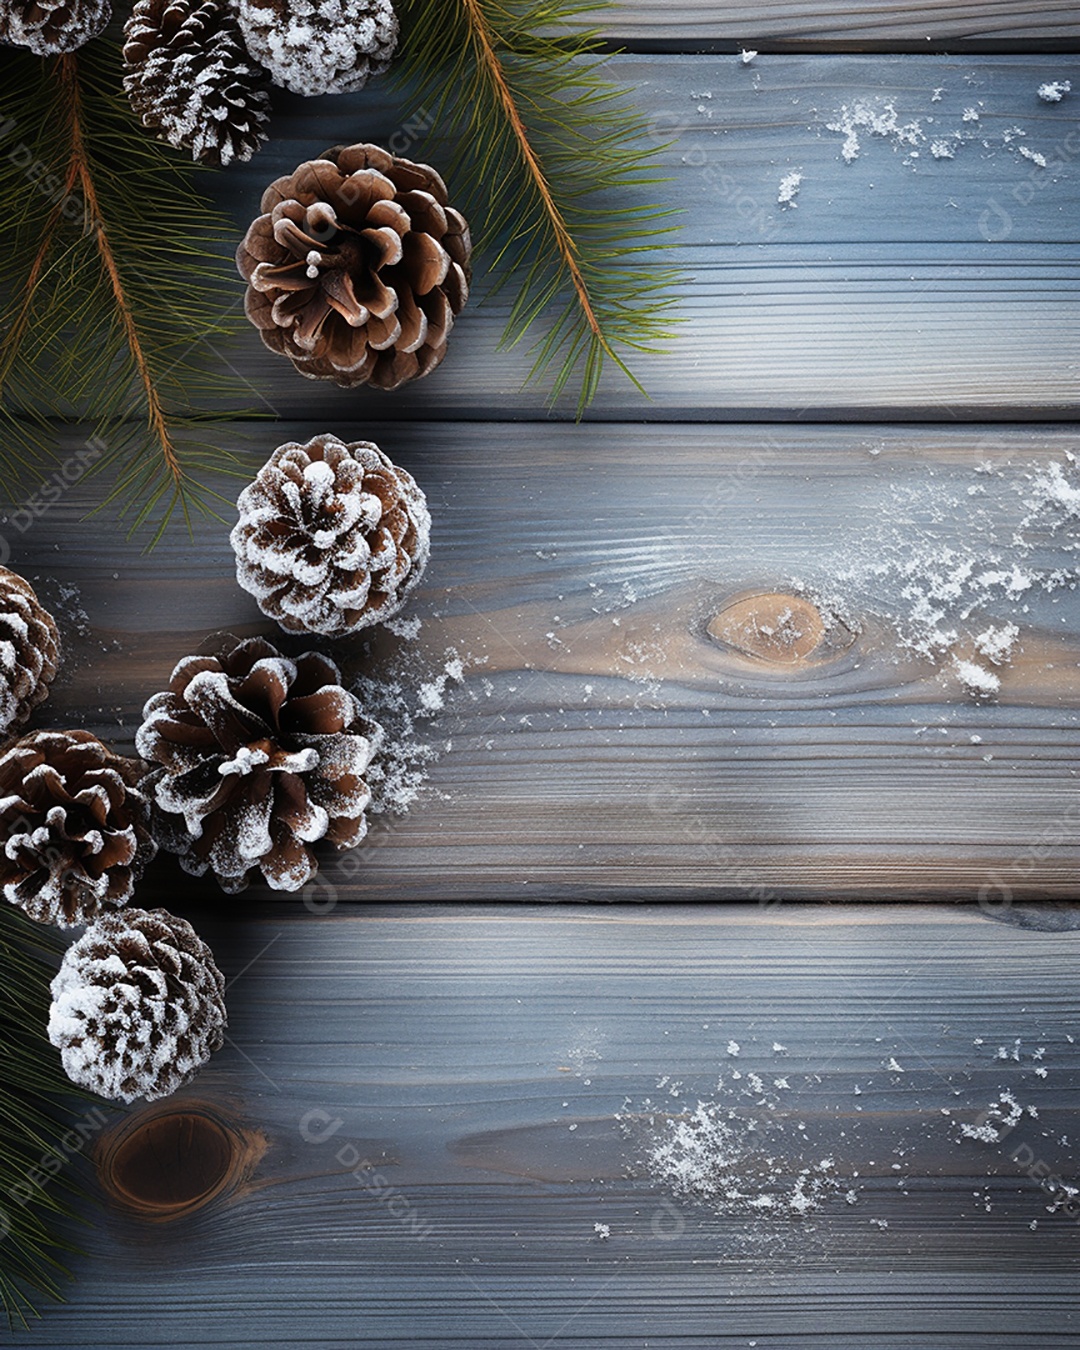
(331, 537)
(76, 828)
(138, 1005)
(313, 47)
(357, 268)
(50, 27)
(29, 651)
(260, 757)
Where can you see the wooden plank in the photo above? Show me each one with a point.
(430, 1111)
(932, 288)
(708, 662)
(869, 25)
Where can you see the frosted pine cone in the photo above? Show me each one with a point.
(138, 1006)
(50, 27)
(76, 830)
(190, 77)
(29, 651)
(357, 268)
(259, 758)
(331, 537)
(315, 47)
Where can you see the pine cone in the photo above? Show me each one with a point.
(260, 756)
(49, 27)
(138, 1005)
(191, 78)
(357, 268)
(331, 537)
(76, 830)
(316, 47)
(29, 651)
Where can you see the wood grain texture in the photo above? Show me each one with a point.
(452, 1098)
(936, 289)
(618, 734)
(868, 25)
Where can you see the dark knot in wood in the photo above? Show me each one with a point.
(168, 1161)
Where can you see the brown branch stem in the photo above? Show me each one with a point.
(156, 419)
(487, 50)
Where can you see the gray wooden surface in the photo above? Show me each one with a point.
(843, 25)
(435, 1107)
(708, 650)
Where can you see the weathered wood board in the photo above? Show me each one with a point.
(422, 1116)
(845, 25)
(932, 288)
(697, 661)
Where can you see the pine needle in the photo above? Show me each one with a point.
(41, 1129)
(549, 161)
(113, 282)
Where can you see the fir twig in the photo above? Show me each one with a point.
(112, 292)
(549, 161)
(38, 1125)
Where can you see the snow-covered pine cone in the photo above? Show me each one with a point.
(191, 78)
(76, 830)
(50, 27)
(138, 1005)
(313, 47)
(357, 267)
(259, 757)
(332, 537)
(29, 651)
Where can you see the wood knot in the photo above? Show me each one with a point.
(780, 630)
(169, 1161)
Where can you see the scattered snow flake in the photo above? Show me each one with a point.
(975, 678)
(733, 1048)
(1054, 90)
(747, 55)
(893, 1066)
(996, 644)
(789, 189)
(1034, 155)
(602, 1230)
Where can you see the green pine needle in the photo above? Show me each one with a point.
(40, 1131)
(113, 285)
(549, 159)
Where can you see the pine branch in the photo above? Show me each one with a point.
(39, 1125)
(549, 160)
(113, 290)
(80, 167)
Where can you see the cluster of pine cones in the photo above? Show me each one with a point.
(248, 760)
(138, 1003)
(199, 71)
